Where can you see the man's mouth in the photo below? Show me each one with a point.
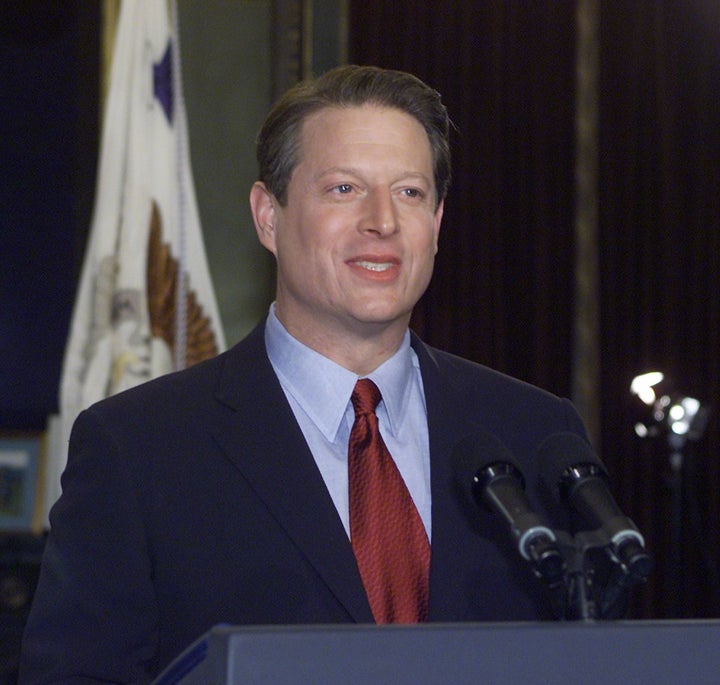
(374, 266)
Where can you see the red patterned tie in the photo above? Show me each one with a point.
(387, 533)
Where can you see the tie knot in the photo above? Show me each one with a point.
(366, 397)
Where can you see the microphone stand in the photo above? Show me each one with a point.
(580, 604)
(585, 600)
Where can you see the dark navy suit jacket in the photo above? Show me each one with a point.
(194, 500)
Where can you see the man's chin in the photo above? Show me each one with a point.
(379, 319)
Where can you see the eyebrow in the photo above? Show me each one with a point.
(357, 172)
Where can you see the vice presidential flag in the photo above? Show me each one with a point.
(145, 305)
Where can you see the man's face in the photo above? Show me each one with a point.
(356, 241)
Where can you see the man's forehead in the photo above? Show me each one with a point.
(317, 128)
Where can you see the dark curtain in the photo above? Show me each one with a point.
(49, 123)
(503, 288)
(660, 271)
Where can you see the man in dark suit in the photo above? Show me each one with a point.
(220, 494)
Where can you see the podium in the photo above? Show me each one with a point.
(636, 652)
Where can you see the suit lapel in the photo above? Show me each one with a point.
(262, 438)
(447, 422)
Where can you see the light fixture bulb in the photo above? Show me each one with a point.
(643, 386)
(669, 412)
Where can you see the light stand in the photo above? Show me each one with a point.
(679, 419)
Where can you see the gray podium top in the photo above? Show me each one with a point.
(657, 652)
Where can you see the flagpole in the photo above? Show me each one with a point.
(109, 17)
(180, 142)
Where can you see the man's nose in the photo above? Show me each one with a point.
(380, 213)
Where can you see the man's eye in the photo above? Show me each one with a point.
(343, 188)
(412, 192)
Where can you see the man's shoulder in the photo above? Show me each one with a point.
(466, 375)
(519, 411)
(232, 368)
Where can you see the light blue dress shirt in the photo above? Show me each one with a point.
(319, 390)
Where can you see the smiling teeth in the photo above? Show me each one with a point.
(375, 266)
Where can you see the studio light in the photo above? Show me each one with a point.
(666, 411)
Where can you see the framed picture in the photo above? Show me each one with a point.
(20, 469)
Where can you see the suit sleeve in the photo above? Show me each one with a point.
(94, 616)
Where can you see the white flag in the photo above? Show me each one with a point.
(135, 317)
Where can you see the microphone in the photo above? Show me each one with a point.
(488, 475)
(577, 477)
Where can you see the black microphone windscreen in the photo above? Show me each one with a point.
(476, 451)
(561, 451)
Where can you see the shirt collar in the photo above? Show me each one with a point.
(323, 388)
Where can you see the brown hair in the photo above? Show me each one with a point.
(350, 86)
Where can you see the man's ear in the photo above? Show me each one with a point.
(437, 220)
(263, 208)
